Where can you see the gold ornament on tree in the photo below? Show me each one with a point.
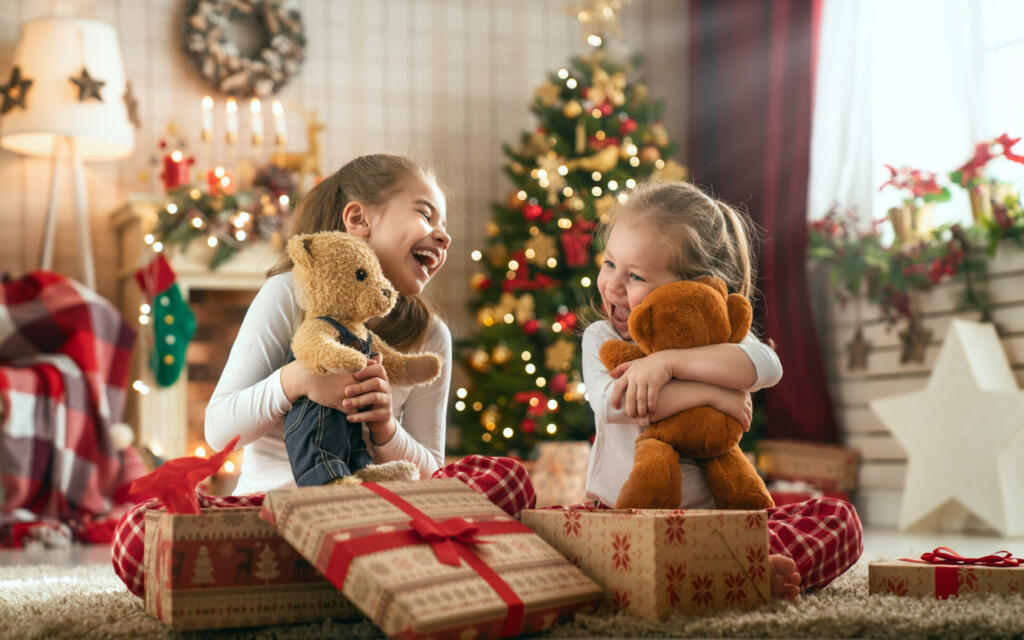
(501, 354)
(540, 248)
(607, 87)
(497, 254)
(493, 229)
(548, 93)
(536, 144)
(601, 206)
(551, 179)
(659, 135)
(572, 109)
(480, 360)
(558, 356)
(604, 160)
(489, 418)
(650, 155)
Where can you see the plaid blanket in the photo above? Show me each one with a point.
(64, 358)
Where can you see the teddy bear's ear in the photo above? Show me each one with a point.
(300, 249)
(740, 316)
(716, 284)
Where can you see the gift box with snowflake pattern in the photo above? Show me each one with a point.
(652, 563)
(903, 578)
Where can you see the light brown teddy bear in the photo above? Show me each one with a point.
(340, 285)
(681, 315)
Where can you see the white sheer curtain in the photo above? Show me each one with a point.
(910, 82)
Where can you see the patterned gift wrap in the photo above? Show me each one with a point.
(654, 562)
(431, 558)
(560, 473)
(228, 568)
(943, 581)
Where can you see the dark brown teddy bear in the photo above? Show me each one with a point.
(680, 315)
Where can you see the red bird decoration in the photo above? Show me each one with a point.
(174, 482)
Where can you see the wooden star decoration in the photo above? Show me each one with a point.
(88, 87)
(553, 181)
(14, 91)
(914, 341)
(857, 351)
(964, 436)
(131, 103)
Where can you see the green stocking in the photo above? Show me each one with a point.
(173, 327)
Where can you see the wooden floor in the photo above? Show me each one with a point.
(877, 542)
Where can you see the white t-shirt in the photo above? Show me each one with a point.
(250, 401)
(611, 458)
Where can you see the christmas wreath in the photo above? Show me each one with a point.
(218, 58)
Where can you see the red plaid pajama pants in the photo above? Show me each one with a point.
(823, 536)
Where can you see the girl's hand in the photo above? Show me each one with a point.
(639, 383)
(369, 400)
(326, 389)
(734, 403)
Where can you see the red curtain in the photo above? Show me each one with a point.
(750, 92)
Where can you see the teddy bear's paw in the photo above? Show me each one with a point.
(389, 471)
(346, 480)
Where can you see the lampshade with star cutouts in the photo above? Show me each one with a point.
(67, 99)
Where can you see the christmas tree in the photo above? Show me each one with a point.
(598, 135)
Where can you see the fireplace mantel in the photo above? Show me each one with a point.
(160, 417)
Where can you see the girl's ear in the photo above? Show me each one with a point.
(356, 220)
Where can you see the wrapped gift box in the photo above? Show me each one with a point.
(228, 568)
(431, 558)
(655, 562)
(827, 467)
(559, 475)
(942, 581)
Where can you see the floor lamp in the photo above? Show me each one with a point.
(67, 99)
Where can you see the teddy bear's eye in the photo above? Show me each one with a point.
(360, 275)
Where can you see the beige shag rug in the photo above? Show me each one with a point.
(90, 602)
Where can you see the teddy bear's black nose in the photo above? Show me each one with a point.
(387, 293)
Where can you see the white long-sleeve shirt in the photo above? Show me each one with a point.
(611, 457)
(250, 401)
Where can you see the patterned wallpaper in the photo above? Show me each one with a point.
(446, 81)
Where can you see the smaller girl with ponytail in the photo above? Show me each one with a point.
(666, 232)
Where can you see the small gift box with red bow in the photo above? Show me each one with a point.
(943, 573)
(656, 562)
(431, 558)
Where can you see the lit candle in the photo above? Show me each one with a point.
(280, 134)
(257, 121)
(207, 132)
(231, 109)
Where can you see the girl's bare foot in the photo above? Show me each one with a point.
(784, 577)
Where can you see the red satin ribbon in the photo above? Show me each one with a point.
(945, 555)
(442, 536)
(450, 541)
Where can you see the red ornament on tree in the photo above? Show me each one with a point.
(607, 109)
(576, 244)
(627, 127)
(533, 211)
(567, 319)
(530, 326)
(522, 280)
(528, 425)
(559, 382)
(597, 144)
(535, 401)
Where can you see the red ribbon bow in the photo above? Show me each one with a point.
(442, 536)
(945, 555)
